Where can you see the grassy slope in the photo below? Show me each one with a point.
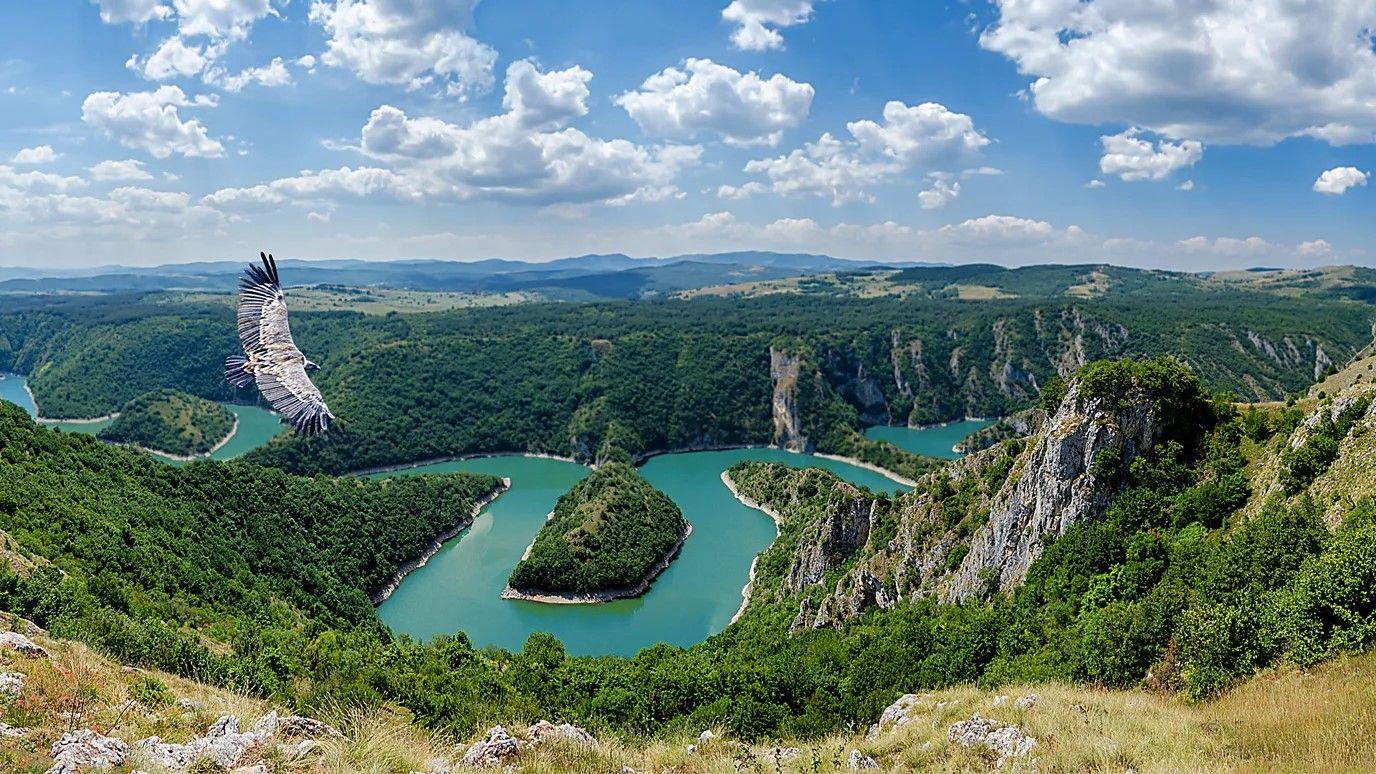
(1283, 720)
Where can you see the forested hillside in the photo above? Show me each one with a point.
(171, 421)
(610, 533)
(591, 379)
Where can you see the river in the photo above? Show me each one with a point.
(256, 425)
(459, 588)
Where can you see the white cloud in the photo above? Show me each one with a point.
(1220, 71)
(939, 195)
(1132, 158)
(220, 18)
(924, 136)
(1229, 246)
(524, 154)
(129, 169)
(148, 200)
(318, 217)
(1000, 228)
(173, 59)
(205, 31)
(704, 97)
(1093, 184)
(1315, 248)
(1336, 181)
(149, 121)
(38, 181)
(132, 11)
(756, 21)
(406, 42)
(752, 188)
(271, 75)
(1188, 185)
(40, 154)
(982, 172)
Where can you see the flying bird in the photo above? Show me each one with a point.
(273, 361)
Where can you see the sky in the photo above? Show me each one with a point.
(1182, 134)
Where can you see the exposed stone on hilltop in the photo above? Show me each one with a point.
(785, 369)
(1057, 486)
(86, 749)
(22, 644)
(11, 683)
(835, 538)
(545, 731)
(1004, 740)
(898, 714)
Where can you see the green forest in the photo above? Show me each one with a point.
(606, 533)
(254, 578)
(171, 421)
(593, 380)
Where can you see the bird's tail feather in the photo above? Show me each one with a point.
(236, 372)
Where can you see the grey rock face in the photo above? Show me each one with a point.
(829, 542)
(1003, 740)
(1057, 487)
(492, 751)
(86, 749)
(545, 731)
(24, 645)
(784, 369)
(223, 744)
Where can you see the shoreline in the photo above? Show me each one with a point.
(234, 430)
(38, 415)
(778, 525)
(885, 472)
(596, 597)
(435, 545)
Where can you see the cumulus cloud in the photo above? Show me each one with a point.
(1132, 158)
(1229, 246)
(40, 154)
(1223, 71)
(406, 42)
(271, 75)
(38, 181)
(1336, 181)
(132, 11)
(757, 21)
(1315, 248)
(149, 121)
(205, 31)
(1094, 184)
(939, 195)
(922, 136)
(128, 169)
(526, 154)
(704, 97)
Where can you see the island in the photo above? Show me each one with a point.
(172, 423)
(607, 538)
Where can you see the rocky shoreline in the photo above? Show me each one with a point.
(435, 545)
(38, 414)
(629, 592)
(778, 524)
(885, 472)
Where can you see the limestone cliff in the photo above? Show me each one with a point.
(785, 369)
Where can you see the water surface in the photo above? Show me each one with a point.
(458, 590)
(932, 441)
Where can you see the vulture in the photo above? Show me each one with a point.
(271, 357)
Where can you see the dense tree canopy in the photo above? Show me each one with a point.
(171, 421)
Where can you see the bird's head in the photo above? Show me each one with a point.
(311, 365)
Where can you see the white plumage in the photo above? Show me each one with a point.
(271, 357)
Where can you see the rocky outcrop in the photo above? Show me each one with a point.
(785, 370)
(25, 646)
(858, 387)
(493, 750)
(1003, 740)
(1017, 425)
(1058, 485)
(843, 530)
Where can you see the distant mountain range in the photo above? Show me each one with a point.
(585, 276)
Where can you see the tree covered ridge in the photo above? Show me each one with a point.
(582, 379)
(171, 421)
(606, 533)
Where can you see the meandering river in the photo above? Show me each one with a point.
(256, 426)
(459, 588)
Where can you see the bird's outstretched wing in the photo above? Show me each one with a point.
(273, 360)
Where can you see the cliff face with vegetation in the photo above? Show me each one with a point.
(608, 537)
(171, 421)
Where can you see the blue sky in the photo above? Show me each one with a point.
(1194, 134)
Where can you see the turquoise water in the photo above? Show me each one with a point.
(458, 590)
(256, 426)
(933, 441)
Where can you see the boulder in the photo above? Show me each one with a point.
(1004, 740)
(11, 683)
(86, 749)
(24, 645)
(223, 744)
(1027, 702)
(898, 714)
(545, 731)
(859, 760)
(492, 751)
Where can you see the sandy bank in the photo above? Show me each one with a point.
(635, 590)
